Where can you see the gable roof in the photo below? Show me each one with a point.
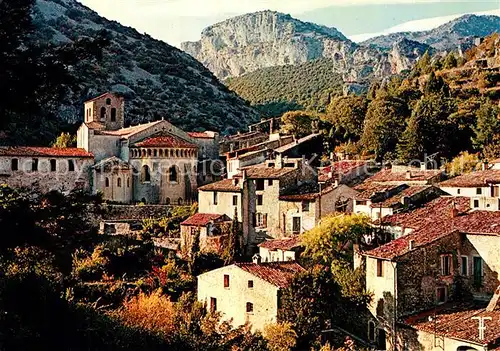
(29, 151)
(128, 132)
(284, 244)
(203, 219)
(473, 180)
(112, 161)
(225, 185)
(103, 95)
(267, 172)
(476, 222)
(397, 199)
(166, 141)
(307, 192)
(279, 274)
(368, 190)
(417, 175)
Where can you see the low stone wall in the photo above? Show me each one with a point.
(139, 212)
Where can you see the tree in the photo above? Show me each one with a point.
(65, 140)
(436, 85)
(383, 125)
(410, 145)
(234, 242)
(463, 163)
(195, 252)
(280, 336)
(423, 65)
(297, 123)
(328, 240)
(450, 61)
(487, 125)
(347, 115)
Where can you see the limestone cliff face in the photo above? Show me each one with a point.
(266, 39)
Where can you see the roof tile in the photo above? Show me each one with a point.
(279, 274)
(284, 244)
(29, 151)
(222, 185)
(203, 219)
(166, 141)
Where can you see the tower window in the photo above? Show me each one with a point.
(172, 174)
(34, 165)
(71, 165)
(113, 114)
(53, 165)
(107, 182)
(145, 174)
(103, 112)
(119, 182)
(128, 182)
(14, 164)
(108, 101)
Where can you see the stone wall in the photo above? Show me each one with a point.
(124, 212)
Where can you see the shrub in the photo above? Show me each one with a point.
(90, 267)
(280, 336)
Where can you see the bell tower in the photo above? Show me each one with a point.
(107, 109)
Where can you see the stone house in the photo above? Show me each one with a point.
(46, 168)
(212, 228)
(398, 175)
(281, 250)
(241, 141)
(246, 292)
(345, 171)
(440, 261)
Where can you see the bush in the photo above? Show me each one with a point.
(90, 267)
(280, 336)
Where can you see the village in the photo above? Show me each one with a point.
(430, 259)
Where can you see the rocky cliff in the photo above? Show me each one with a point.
(156, 79)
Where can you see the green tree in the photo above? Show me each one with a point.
(280, 336)
(463, 163)
(234, 242)
(423, 65)
(487, 125)
(384, 125)
(450, 61)
(347, 115)
(410, 145)
(329, 239)
(436, 85)
(65, 140)
(297, 123)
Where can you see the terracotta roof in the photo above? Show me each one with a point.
(284, 244)
(474, 179)
(166, 141)
(388, 175)
(198, 135)
(43, 151)
(279, 274)
(95, 125)
(203, 219)
(127, 132)
(112, 161)
(368, 190)
(222, 185)
(398, 198)
(476, 222)
(457, 323)
(267, 172)
(308, 192)
(290, 146)
(433, 211)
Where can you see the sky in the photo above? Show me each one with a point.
(175, 21)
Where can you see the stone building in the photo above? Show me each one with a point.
(213, 230)
(46, 168)
(151, 163)
(281, 250)
(246, 292)
(440, 261)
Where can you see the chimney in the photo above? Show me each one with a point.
(454, 210)
(423, 166)
(408, 174)
(257, 259)
(244, 175)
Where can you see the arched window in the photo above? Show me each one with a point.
(149, 152)
(103, 112)
(167, 201)
(155, 153)
(113, 114)
(145, 174)
(172, 174)
(128, 182)
(108, 101)
(107, 182)
(177, 153)
(371, 331)
(171, 153)
(119, 182)
(161, 152)
(143, 153)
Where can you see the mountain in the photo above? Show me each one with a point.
(156, 79)
(460, 32)
(265, 39)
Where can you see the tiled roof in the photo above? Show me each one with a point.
(203, 219)
(284, 244)
(127, 132)
(368, 190)
(476, 222)
(222, 185)
(198, 135)
(95, 125)
(267, 172)
(388, 175)
(457, 323)
(166, 141)
(434, 211)
(307, 192)
(29, 151)
(290, 146)
(112, 161)
(474, 179)
(279, 274)
(397, 199)
(103, 95)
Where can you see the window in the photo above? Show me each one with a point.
(103, 112)
(14, 164)
(128, 182)
(173, 174)
(107, 182)
(476, 203)
(249, 307)
(235, 200)
(259, 184)
(441, 295)
(371, 331)
(380, 268)
(446, 265)
(305, 206)
(108, 101)
(113, 114)
(53, 165)
(296, 225)
(226, 280)
(260, 200)
(250, 284)
(34, 165)
(361, 203)
(145, 174)
(458, 191)
(479, 191)
(119, 182)
(270, 182)
(261, 221)
(216, 198)
(464, 266)
(213, 304)
(71, 165)
(478, 270)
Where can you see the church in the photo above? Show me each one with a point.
(154, 163)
